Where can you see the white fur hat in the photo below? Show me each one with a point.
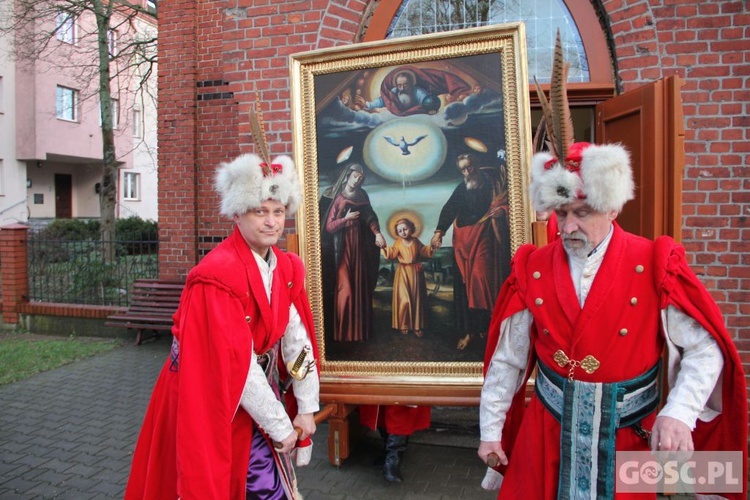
(246, 182)
(601, 175)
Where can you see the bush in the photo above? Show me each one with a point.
(136, 236)
(70, 229)
(51, 243)
(129, 229)
(136, 229)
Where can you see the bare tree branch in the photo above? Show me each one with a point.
(105, 46)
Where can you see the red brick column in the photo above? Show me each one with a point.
(177, 138)
(14, 269)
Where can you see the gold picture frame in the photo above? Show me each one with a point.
(405, 110)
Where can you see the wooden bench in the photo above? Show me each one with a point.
(151, 306)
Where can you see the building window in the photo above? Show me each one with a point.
(67, 104)
(115, 113)
(151, 5)
(131, 186)
(66, 27)
(137, 123)
(543, 18)
(112, 43)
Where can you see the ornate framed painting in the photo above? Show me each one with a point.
(413, 154)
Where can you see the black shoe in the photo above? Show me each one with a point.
(380, 459)
(395, 445)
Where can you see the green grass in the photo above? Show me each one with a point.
(22, 356)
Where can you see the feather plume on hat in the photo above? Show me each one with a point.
(568, 171)
(249, 180)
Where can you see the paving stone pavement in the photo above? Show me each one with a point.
(69, 434)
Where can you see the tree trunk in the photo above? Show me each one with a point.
(108, 193)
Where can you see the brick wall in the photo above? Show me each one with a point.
(707, 44)
(245, 49)
(15, 278)
(177, 137)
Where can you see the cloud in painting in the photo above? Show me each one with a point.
(337, 120)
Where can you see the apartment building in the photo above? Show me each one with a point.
(50, 122)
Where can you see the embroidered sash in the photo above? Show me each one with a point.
(589, 415)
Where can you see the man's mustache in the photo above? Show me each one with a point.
(575, 235)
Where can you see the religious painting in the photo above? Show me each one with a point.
(413, 154)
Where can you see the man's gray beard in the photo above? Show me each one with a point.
(473, 182)
(405, 98)
(581, 252)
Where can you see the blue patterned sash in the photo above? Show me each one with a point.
(589, 415)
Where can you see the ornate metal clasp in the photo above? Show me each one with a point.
(589, 364)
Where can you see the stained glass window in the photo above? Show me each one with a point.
(542, 17)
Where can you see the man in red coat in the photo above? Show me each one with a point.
(592, 312)
(216, 426)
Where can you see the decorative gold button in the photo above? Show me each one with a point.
(546, 332)
(623, 332)
(537, 275)
(247, 319)
(289, 285)
(639, 268)
(539, 302)
(633, 301)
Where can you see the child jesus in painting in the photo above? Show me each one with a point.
(409, 287)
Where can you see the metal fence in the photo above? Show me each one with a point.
(76, 271)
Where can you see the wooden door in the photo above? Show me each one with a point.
(648, 121)
(63, 196)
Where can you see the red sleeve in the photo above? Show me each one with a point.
(553, 232)
(681, 288)
(510, 300)
(444, 82)
(214, 362)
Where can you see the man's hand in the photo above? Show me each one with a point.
(380, 240)
(287, 444)
(669, 434)
(437, 240)
(487, 447)
(306, 422)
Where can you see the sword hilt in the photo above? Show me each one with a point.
(294, 368)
